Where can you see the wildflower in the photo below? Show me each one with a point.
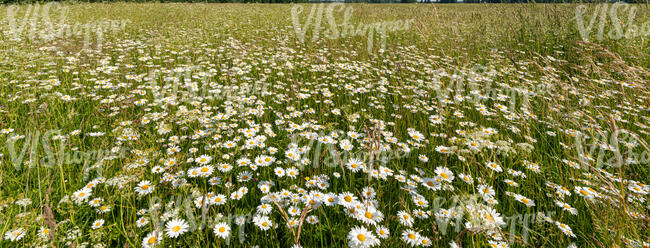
(82, 194)
(95, 202)
(362, 238)
(369, 215)
(176, 227)
(445, 174)
(151, 240)
(417, 136)
(217, 200)
(355, 165)
(279, 172)
(104, 209)
(15, 234)
(443, 149)
(411, 237)
(405, 218)
(222, 230)
(466, 178)
(525, 200)
(205, 170)
(98, 223)
(312, 220)
(347, 199)
(425, 241)
(486, 191)
(142, 221)
(203, 159)
(492, 218)
(44, 233)
(292, 172)
(144, 187)
(382, 232)
(566, 207)
(346, 145)
(494, 166)
(586, 192)
(435, 119)
(262, 222)
(264, 209)
(565, 229)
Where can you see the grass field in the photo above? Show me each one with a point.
(211, 125)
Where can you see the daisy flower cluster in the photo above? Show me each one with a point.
(203, 136)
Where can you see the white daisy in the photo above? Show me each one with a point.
(361, 237)
(15, 234)
(176, 227)
(145, 187)
(151, 240)
(222, 230)
(98, 223)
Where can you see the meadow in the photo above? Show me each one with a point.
(324, 125)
